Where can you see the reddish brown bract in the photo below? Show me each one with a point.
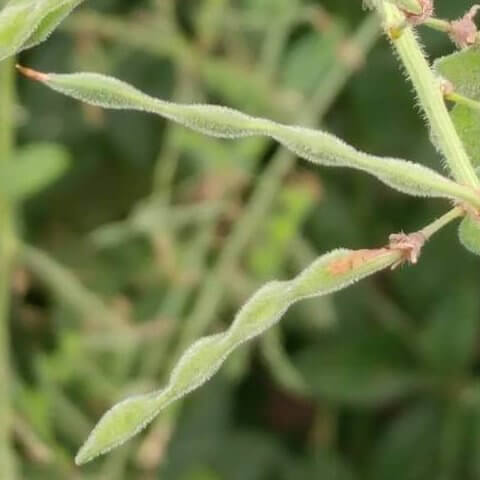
(354, 260)
(464, 32)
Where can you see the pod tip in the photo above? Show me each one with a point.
(32, 74)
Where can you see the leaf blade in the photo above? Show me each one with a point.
(25, 23)
(33, 169)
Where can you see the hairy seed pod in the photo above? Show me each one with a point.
(205, 357)
(318, 147)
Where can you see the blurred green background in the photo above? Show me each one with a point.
(156, 235)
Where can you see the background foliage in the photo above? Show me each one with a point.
(156, 234)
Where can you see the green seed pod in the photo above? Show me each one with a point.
(330, 273)
(318, 147)
(410, 6)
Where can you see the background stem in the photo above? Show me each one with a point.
(7, 241)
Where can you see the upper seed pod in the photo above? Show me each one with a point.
(412, 7)
(318, 147)
(426, 11)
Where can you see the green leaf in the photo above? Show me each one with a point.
(462, 69)
(25, 23)
(469, 234)
(50, 22)
(467, 123)
(33, 169)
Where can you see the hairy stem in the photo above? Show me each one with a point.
(429, 95)
(438, 24)
(441, 222)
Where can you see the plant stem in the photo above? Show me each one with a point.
(7, 251)
(276, 39)
(462, 100)
(96, 315)
(441, 222)
(429, 95)
(438, 24)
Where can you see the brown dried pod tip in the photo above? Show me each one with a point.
(32, 74)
